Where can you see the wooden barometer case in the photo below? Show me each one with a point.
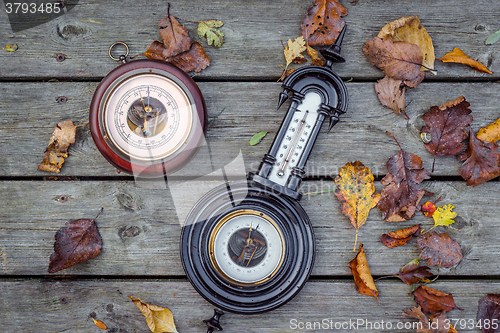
(147, 117)
(248, 247)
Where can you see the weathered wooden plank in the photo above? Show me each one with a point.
(254, 32)
(140, 228)
(61, 306)
(29, 112)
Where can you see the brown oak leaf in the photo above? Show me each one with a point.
(409, 29)
(195, 59)
(362, 276)
(489, 311)
(482, 162)
(293, 51)
(77, 242)
(391, 93)
(440, 249)
(175, 37)
(437, 324)
(447, 126)
(411, 274)
(399, 60)
(400, 237)
(315, 58)
(57, 150)
(356, 193)
(403, 193)
(491, 132)
(458, 56)
(323, 22)
(433, 301)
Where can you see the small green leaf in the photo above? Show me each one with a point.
(493, 38)
(209, 29)
(256, 138)
(10, 48)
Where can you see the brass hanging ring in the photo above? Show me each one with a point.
(123, 57)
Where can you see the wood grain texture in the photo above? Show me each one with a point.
(29, 112)
(64, 306)
(140, 228)
(253, 35)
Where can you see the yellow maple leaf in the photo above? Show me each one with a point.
(159, 319)
(459, 57)
(356, 193)
(293, 51)
(443, 216)
(409, 29)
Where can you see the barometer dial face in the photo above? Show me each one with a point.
(246, 247)
(148, 117)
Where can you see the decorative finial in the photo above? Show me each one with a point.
(283, 98)
(213, 323)
(332, 54)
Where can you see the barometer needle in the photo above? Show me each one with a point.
(248, 263)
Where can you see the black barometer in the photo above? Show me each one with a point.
(248, 247)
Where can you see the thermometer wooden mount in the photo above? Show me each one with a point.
(248, 247)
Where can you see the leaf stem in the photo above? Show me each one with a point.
(180, 18)
(102, 208)
(385, 277)
(217, 116)
(355, 241)
(81, 125)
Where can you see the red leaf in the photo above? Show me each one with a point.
(400, 237)
(411, 274)
(77, 242)
(489, 311)
(440, 249)
(433, 301)
(175, 37)
(391, 93)
(195, 59)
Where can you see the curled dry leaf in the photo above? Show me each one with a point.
(175, 37)
(195, 59)
(399, 60)
(323, 22)
(411, 274)
(447, 126)
(482, 163)
(489, 311)
(356, 193)
(100, 324)
(400, 237)
(403, 193)
(438, 324)
(209, 29)
(443, 216)
(409, 29)
(77, 242)
(315, 58)
(440, 249)
(159, 319)
(459, 57)
(362, 276)
(433, 301)
(491, 132)
(285, 74)
(293, 51)
(57, 150)
(391, 93)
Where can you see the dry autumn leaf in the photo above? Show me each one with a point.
(491, 132)
(409, 29)
(293, 51)
(10, 47)
(438, 324)
(209, 29)
(402, 193)
(459, 57)
(159, 319)
(194, 59)
(77, 242)
(175, 37)
(323, 22)
(446, 126)
(57, 150)
(399, 60)
(400, 237)
(433, 301)
(285, 74)
(315, 59)
(362, 276)
(356, 193)
(482, 162)
(443, 216)
(100, 324)
(440, 249)
(391, 93)
(489, 312)
(411, 274)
